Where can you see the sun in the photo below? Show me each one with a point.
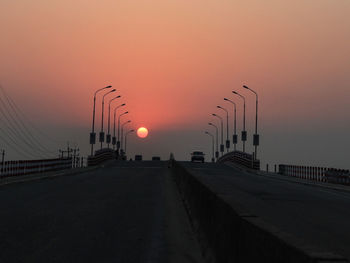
(142, 132)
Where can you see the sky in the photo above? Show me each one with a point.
(173, 62)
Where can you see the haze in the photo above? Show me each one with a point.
(174, 61)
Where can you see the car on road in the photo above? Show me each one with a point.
(155, 158)
(197, 156)
(138, 157)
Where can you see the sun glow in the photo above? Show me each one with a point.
(142, 132)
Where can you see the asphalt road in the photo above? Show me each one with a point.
(318, 216)
(124, 212)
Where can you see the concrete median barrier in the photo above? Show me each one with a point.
(231, 234)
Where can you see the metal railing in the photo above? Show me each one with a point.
(25, 167)
(241, 158)
(319, 174)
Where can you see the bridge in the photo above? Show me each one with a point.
(173, 211)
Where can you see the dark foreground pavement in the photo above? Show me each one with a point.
(126, 212)
(317, 216)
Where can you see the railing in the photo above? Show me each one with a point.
(25, 167)
(241, 158)
(101, 156)
(319, 174)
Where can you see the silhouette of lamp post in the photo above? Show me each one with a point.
(108, 138)
(222, 148)
(126, 135)
(227, 130)
(217, 139)
(244, 132)
(102, 134)
(212, 140)
(234, 136)
(256, 135)
(122, 133)
(118, 142)
(114, 139)
(93, 134)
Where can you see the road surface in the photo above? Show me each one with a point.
(124, 212)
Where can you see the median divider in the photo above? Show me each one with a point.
(228, 233)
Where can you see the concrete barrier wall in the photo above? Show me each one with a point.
(233, 235)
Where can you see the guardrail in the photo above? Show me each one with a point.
(319, 174)
(241, 158)
(25, 167)
(101, 156)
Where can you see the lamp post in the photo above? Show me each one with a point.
(256, 135)
(126, 135)
(102, 134)
(109, 121)
(93, 134)
(227, 140)
(118, 142)
(212, 139)
(244, 132)
(122, 132)
(222, 148)
(234, 137)
(114, 140)
(217, 139)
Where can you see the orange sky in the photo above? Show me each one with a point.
(174, 60)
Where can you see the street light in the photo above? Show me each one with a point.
(256, 136)
(244, 132)
(222, 148)
(217, 139)
(234, 137)
(227, 140)
(93, 134)
(102, 134)
(109, 120)
(126, 138)
(118, 142)
(114, 140)
(212, 139)
(122, 132)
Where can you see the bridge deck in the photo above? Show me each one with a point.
(126, 212)
(316, 215)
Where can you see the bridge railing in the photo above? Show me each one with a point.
(319, 174)
(25, 167)
(241, 158)
(101, 156)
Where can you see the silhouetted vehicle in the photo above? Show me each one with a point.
(197, 157)
(138, 157)
(155, 158)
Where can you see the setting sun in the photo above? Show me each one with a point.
(142, 132)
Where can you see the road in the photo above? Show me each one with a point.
(124, 212)
(318, 216)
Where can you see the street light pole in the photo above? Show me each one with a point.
(126, 135)
(244, 132)
(217, 139)
(256, 135)
(234, 137)
(93, 134)
(102, 134)
(122, 132)
(222, 148)
(114, 140)
(109, 120)
(118, 142)
(212, 138)
(227, 131)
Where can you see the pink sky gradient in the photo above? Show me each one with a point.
(174, 61)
